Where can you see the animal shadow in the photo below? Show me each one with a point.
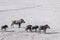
(10, 31)
(53, 33)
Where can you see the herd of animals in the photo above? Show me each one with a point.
(28, 27)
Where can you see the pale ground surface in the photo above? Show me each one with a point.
(35, 12)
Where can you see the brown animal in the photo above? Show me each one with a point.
(4, 27)
(44, 28)
(35, 28)
(18, 22)
(28, 27)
